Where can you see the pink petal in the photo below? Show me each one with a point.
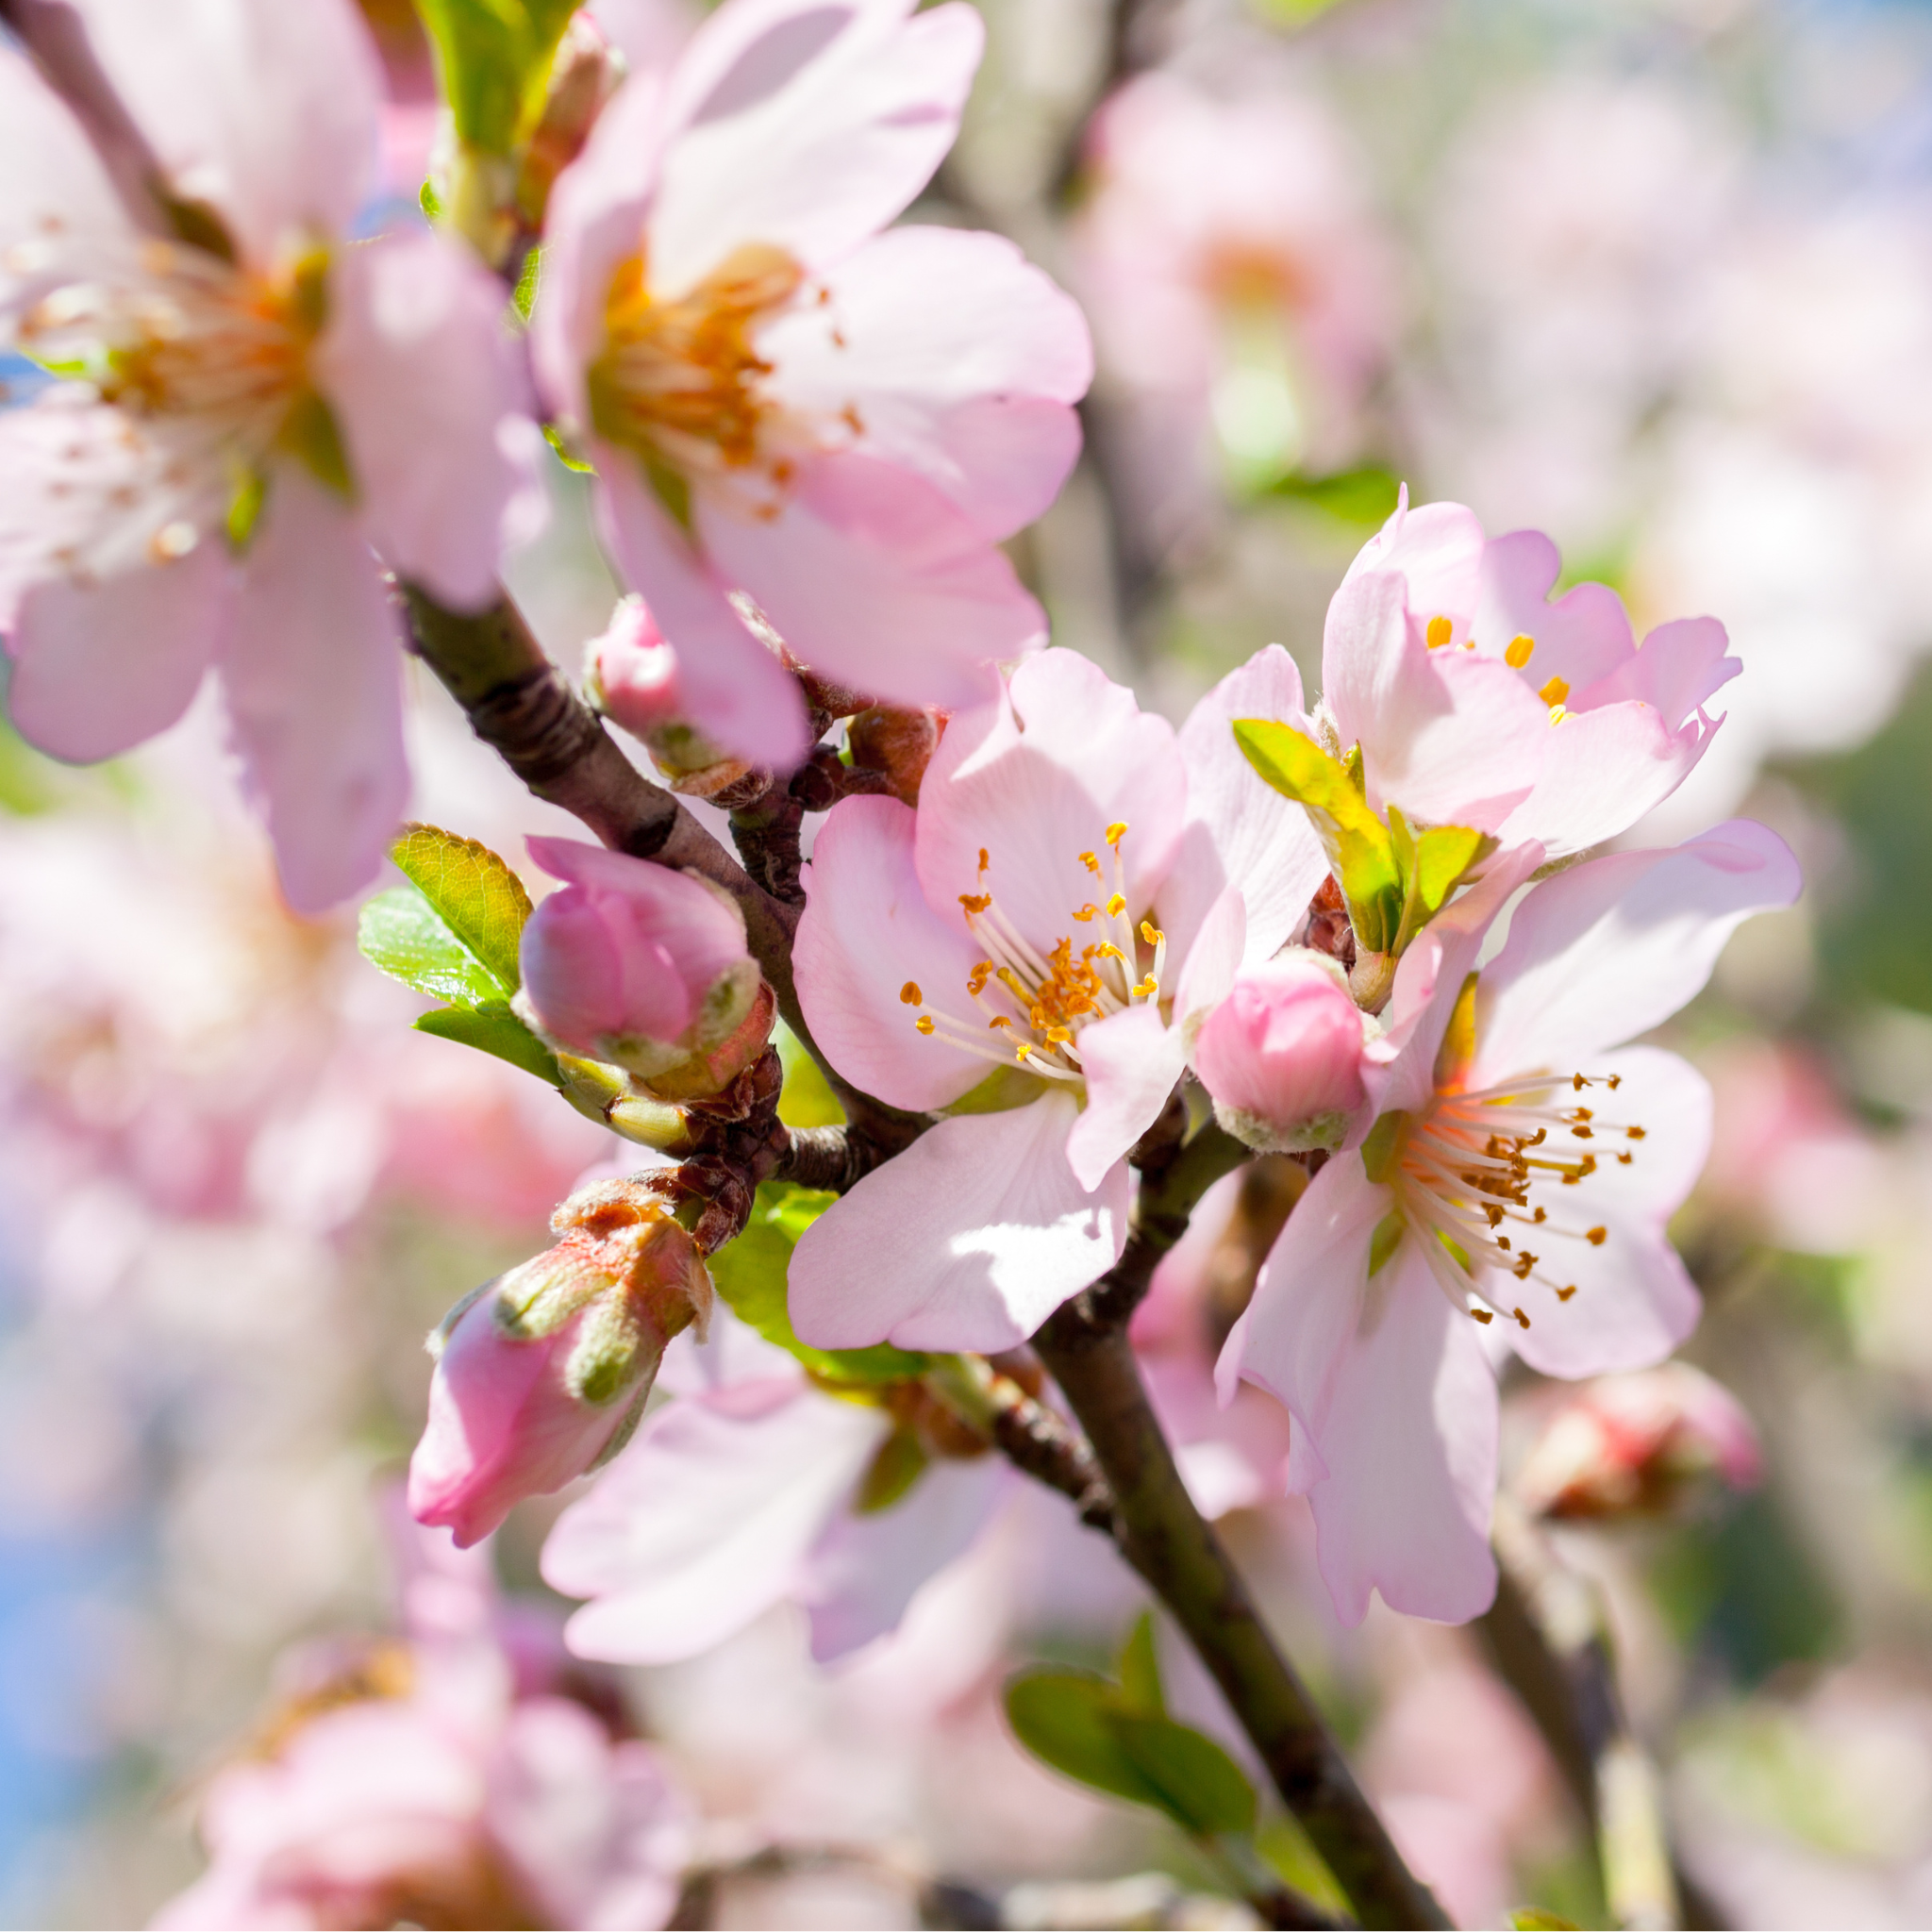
(859, 1581)
(970, 1238)
(701, 1523)
(731, 687)
(313, 677)
(1439, 549)
(422, 376)
(1450, 736)
(1131, 1061)
(1614, 946)
(1410, 1444)
(270, 112)
(958, 357)
(1036, 779)
(47, 168)
(805, 127)
(873, 576)
(1585, 635)
(1681, 666)
(1606, 768)
(866, 931)
(1306, 1302)
(1634, 1301)
(1238, 829)
(98, 670)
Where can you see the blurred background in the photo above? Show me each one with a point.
(1655, 275)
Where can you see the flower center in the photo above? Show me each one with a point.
(678, 381)
(1480, 1176)
(1037, 1002)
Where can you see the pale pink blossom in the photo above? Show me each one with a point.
(1639, 1443)
(1077, 889)
(787, 406)
(635, 963)
(1281, 1054)
(542, 1372)
(1240, 288)
(1516, 1164)
(202, 487)
(429, 1784)
(1476, 701)
(633, 669)
(743, 1492)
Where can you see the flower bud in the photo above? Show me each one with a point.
(900, 744)
(1281, 1054)
(584, 73)
(542, 1374)
(1639, 1444)
(640, 966)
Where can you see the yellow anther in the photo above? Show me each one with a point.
(1116, 905)
(1023, 1052)
(1062, 1036)
(925, 1022)
(1086, 912)
(1092, 862)
(1147, 988)
(1109, 951)
(1483, 1316)
(1441, 629)
(1116, 832)
(1150, 933)
(1517, 655)
(1597, 1236)
(984, 861)
(999, 1020)
(1520, 1316)
(910, 993)
(976, 902)
(1563, 1294)
(1554, 692)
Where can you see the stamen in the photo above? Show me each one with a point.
(911, 995)
(1091, 861)
(925, 1023)
(1516, 655)
(1150, 933)
(1116, 832)
(1440, 632)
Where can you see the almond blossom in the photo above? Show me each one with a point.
(1476, 701)
(238, 418)
(749, 1491)
(1515, 1161)
(1033, 948)
(787, 408)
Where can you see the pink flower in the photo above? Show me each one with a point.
(1282, 1055)
(1517, 1165)
(1477, 702)
(786, 405)
(633, 669)
(1235, 278)
(639, 965)
(426, 1784)
(230, 436)
(999, 948)
(745, 1493)
(1640, 1443)
(542, 1372)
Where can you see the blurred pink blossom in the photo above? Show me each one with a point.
(786, 405)
(230, 437)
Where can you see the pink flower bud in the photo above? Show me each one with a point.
(1639, 1444)
(634, 963)
(542, 1374)
(633, 668)
(1282, 1056)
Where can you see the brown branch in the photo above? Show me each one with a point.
(998, 1405)
(1163, 1536)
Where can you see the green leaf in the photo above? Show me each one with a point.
(1083, 1726)
(750, 1274)
(1357, 842)
(1067, 1720)
(493, 1029)
(900, 1462)
(807, 1099)
(1201, 1788)
(1533, 1919)
(1139, 1670)
(400, 932)
(524, 294)
(479, 898)
(1366, 496)
(494, 59)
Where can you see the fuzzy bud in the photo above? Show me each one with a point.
(899, 744)
(542, 1374)
(1639, 1444)
(1282, 1054)
(642, 967)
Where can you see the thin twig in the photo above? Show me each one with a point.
(1032, 1437)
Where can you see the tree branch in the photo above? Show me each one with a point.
(1163, 1536)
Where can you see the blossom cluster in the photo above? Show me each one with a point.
(1042, 945)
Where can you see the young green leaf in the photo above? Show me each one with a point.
(476, 895)
(1139, 1670)
(1066, 1719)
(750, 1274)
(493, 1029)
(1201, 1788)
(400, 932)
(494, 59)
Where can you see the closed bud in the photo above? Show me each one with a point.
(1282, 1055)
(1639, 1444)
(542, 1374)
(642, 967)
(899, 744)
